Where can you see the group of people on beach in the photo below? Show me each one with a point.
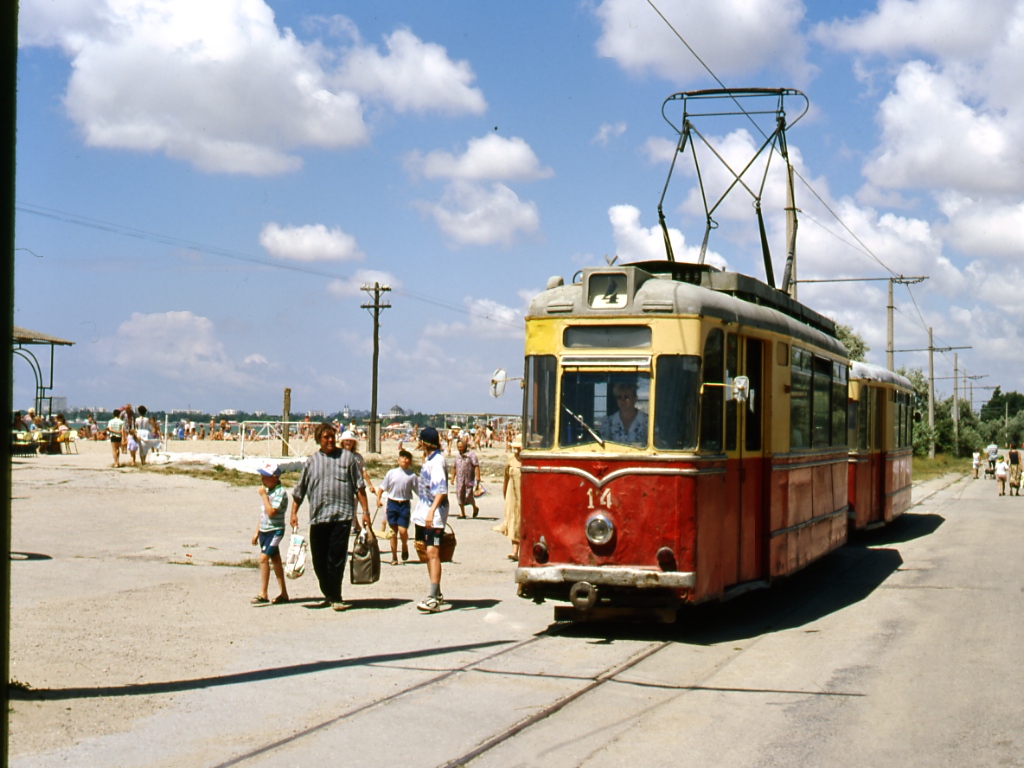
(336, 485)
(133, 432)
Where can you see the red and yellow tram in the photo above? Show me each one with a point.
(732, 469)
(881, 445)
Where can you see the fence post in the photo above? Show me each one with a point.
(285, 411)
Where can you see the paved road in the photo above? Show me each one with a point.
(901, 649)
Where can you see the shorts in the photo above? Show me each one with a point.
(398, 513)
(270, 542)
(115, 438)
(431, 537)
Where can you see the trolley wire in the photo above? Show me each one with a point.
(864, 248)
(193, 245)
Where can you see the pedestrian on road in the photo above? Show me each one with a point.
(1001, 475)
(332, 481)
(1014, 458)
(513, 501)
(467, 477)
(270, 531)
(400, 486)
(431, 513)
(975, 463)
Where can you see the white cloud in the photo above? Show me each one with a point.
(490, 157)
(488, 319)
(607, 132)
(984, 228)
(345, 289)
(937, 27)
(634, 242)
(177, 348)
(734, 37)
(931, 137)
(312, 242)
(471, 214)
(413, 77)
(659, 150)
(221, 87)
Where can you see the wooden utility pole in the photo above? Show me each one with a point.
(373, 439)
(286, 409)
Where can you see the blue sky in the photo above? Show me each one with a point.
(202, 187)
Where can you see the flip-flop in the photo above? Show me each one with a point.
(279, 600)
(394, 562)
(259, 601)
(405, 556)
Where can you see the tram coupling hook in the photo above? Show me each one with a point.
(583, 595)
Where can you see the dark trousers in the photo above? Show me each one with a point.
(328, 546)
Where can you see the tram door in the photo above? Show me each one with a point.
(744, 446)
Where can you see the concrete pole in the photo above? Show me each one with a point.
(956, 406)
(931, 395)
(889, 361)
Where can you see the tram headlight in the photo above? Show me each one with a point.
(599, 529)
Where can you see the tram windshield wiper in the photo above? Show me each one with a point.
(584, 424)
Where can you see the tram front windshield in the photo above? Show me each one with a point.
(605, 406)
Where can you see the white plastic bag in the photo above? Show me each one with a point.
(295, 564)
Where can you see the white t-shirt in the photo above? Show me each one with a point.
(432, 481)
(399, 484)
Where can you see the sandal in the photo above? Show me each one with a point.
(279, 600)
(405, 555)
(259, 601)
(394, 562)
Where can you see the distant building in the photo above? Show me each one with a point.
(59, 404)
(396, 412)
(229, 412)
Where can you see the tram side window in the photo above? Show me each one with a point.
(539, 403)
(839, 396)
(712, 397)
(822, 386)
(676, 386)
(864, 417)
(800, 399)
(732, 344)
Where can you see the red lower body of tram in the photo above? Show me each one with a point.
(615, 537)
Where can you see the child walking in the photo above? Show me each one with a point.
(400, 486)
(270, 532)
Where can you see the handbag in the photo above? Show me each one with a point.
(364, 566)
(295, 563)
(448, 542)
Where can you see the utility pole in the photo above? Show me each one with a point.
(889, 358)
(889, 362)
(956, 407)
(373, 439)
(931, 394)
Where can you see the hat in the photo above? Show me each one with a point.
(429, 436)
(347, 435)
(269, 469)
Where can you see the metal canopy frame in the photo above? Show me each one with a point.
(23, 341)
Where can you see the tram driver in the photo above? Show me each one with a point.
(628, 425)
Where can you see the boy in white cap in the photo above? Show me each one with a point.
(274, 503)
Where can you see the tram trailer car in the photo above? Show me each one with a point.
(881, 446)
(684, 440)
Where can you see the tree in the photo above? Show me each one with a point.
(853, 342)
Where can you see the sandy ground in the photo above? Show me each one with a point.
(137, 577)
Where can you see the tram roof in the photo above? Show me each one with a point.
(869, 372)
(695, 290)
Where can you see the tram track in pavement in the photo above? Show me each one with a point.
(590, 683)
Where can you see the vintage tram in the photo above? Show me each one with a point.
(684, 436)
(687, 430)
(881, 445)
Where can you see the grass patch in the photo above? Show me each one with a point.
(248, 562)
(928, 469)
(232, 477)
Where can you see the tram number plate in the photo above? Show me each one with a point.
(605, 499)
